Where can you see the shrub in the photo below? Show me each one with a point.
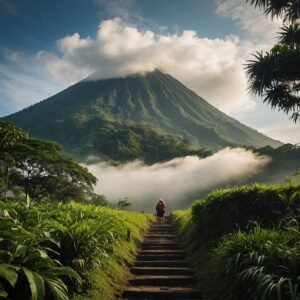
(227, 210)
(47, 249)
(26, 267)
(261, 264)
(245, 215)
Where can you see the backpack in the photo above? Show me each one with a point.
(160, 207)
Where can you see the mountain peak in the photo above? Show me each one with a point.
(153, 98)
(98, 75)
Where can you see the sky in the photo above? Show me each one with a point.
(46, 46)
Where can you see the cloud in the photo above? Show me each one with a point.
(256, 26)
(176, 180)
(211, 67)
(24, 81)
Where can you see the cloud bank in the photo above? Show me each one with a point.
(211, 67)
(177, 180)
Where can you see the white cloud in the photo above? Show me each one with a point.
(211, 67)
(69, 44)
(256, 26)
(24, 81)
(176, 180)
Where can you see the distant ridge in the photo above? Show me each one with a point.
(154, 98)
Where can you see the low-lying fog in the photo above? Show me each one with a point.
(178, 181)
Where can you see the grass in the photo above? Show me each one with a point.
(263, 263)
(242, 242)
(66, 250)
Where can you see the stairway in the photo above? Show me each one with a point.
(161, 271)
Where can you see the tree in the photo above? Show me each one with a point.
(43, 171)
(99, 200)
(123, 203)
(275, 75)
(10, 135)
(40, 168)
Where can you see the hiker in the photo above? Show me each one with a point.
(160, 210)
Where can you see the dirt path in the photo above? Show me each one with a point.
(161, 271)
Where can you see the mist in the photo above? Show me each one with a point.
(178, 181)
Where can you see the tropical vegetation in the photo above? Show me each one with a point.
(63, 251)
(244, 242)
(275, 74)
(51, 247)
(38, 169)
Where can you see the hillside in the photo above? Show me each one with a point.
(75, 116)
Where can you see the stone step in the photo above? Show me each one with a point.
(161, 252)
(161, 293)
(170, 230)
(157, 245)
(164, 263)
(161, 248)
(155, 257)
(163, 280)
(162, 233)
(161, 271)
(162, 228)
(160, 241)
(161, 236)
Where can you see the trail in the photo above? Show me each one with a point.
(161, 271)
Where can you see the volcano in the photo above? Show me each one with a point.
(76, 116)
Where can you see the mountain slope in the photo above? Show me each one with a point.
(154, 99)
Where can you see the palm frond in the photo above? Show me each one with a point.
(290, 35)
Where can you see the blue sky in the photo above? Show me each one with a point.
(47, 45)
(33, 25)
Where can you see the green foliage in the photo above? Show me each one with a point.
(27, 267)
(286, 9)
(262, 264)
(10, 135)
(234, 208)
(242, 244)
(99, 200)
(123, 203)
(275, 74)
(48, 251)
(40, 169)
(126, 141)
(284, 160)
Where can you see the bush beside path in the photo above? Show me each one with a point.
(244, 242)
(66, 251)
